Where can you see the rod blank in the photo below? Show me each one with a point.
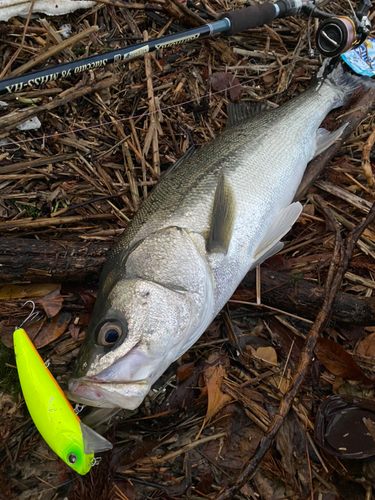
(37, 78)
(230, 23)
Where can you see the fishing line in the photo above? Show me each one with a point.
(135, 117)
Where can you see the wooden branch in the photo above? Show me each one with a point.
(57, 261)
(40, 162)
(69, 262)
(305, 299)
(51, 221)
(341, 256)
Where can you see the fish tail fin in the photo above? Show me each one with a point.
(336, 74)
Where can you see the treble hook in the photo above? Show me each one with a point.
(32, 315)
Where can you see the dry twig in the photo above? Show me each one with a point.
(18, 51)
(366, 164)
(340, 260)
(10, 121)
(54, 50)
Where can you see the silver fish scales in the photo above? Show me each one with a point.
(214, 215)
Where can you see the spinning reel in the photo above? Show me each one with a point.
(336, 35)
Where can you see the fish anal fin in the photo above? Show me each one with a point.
(280, 226)
(240, 113)
(223, 215)
(325, 139)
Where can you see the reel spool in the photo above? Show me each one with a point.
(335, 36)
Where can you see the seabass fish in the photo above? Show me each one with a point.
(206, 223)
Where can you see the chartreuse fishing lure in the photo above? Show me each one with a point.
(53, 415)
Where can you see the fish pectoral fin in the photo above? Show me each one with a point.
(325, 139)
(280, 226)
(223, 215)
(240, 113)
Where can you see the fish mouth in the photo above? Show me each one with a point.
(127, 395)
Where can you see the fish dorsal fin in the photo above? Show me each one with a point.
(280, 226)
(240, 112)
(325, 139)
(92, 441)
(190, 152)
(223, 215)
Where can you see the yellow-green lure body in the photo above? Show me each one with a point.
(53, 415)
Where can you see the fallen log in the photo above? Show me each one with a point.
(305, 299)
(69, 262)
(38, 261)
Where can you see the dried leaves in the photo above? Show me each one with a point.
(367, 346)
(51, 303)
(41, 333)
(291, 444)
(53, 330)
(213, 377)
(44, 329)
(184, 372)
(12, 292)
(242, 393)
(241, 439)
(267, 354)
(223, 81)
(339, 362)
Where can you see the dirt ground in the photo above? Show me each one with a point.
(105, 138)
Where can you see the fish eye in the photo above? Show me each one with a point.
(109, 334)
(72, 458)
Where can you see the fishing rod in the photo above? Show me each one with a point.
(334, 36)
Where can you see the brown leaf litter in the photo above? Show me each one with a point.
(68, 191)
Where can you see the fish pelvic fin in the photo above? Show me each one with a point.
(223, 215)
(280, 226)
